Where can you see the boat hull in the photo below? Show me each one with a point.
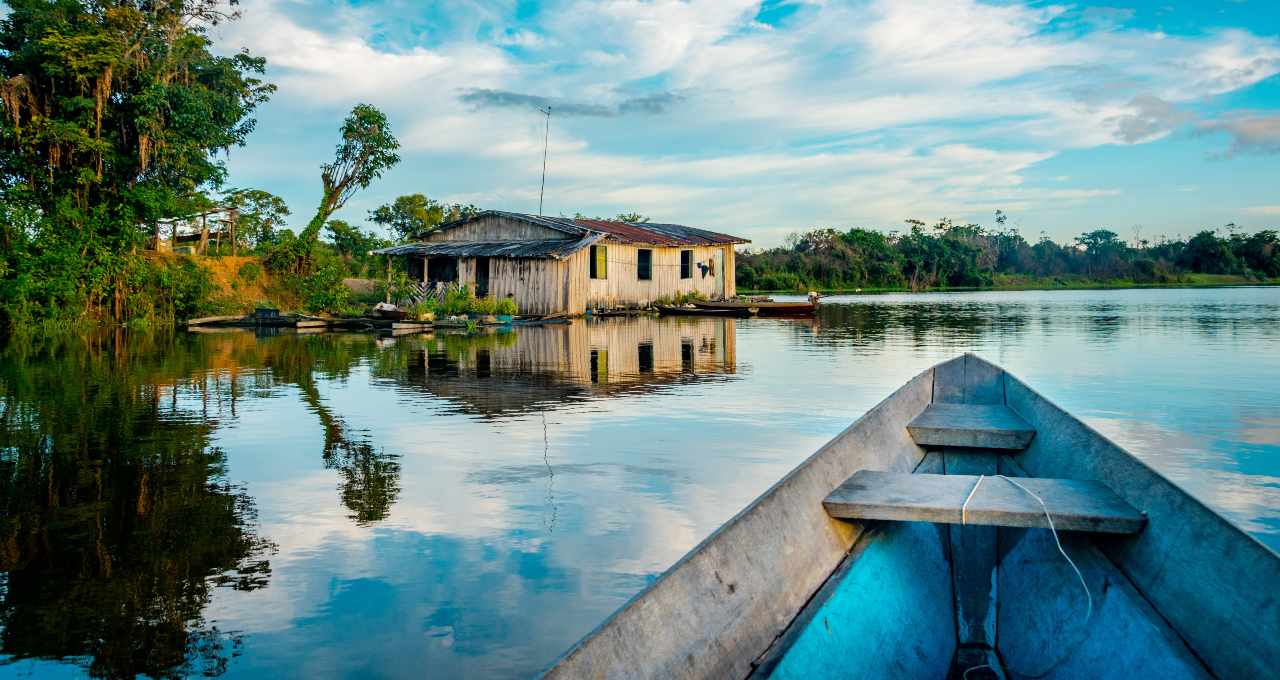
(700, 311)
(782, 590)
(762, 308)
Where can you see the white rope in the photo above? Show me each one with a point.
(1088, 595)
(964, 509)
(1054, 530)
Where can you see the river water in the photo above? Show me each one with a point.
(351, 505)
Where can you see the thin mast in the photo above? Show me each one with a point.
(545, 136)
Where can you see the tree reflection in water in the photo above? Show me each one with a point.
(117, 518)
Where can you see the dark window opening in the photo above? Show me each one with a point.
(599, 262)
(645, 351)
(599, 366)
(644, 265)
(686, 264)
(686, 355)
(442, 269)
(482, 277)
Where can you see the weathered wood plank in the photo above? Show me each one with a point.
(217, 319)
(1074, 504)
(971, 425)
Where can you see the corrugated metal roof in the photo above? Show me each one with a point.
(557, 248)
(625, 232)
(659, 234)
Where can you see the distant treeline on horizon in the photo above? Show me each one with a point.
(950, 255)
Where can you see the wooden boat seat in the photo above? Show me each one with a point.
(971, 425)
(1074, 505)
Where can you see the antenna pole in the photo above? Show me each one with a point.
(546, 135)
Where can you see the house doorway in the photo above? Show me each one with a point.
(482, 277)
(442, 269)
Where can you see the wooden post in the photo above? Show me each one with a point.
(204, 234)
(388, 279)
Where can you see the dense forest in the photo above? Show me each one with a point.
(950, 255)
(115, 121)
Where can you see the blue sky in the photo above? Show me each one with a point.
(764, 118)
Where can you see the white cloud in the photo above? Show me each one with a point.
(848, 113)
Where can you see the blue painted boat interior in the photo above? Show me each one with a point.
(891, 614)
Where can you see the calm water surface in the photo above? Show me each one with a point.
(348, 505)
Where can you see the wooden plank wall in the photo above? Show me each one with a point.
(494, 228)
(621, 288)
(536, 284)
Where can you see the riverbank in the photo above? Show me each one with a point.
(1017, 283)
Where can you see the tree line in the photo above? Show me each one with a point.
(953, 255)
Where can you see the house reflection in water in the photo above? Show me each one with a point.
(535, 367)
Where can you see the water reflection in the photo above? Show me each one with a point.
(507, 374)
(118, 521)
(467, 506)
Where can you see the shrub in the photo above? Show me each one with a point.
(457, 300)
(324, 290)
(249, 272)
(506, 307)
(423, 308)
(483, 306)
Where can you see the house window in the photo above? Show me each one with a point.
(686, 264)
(644, 265)
(599, 262)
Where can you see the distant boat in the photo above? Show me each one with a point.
(914, 545)
(768, 308)
(668, 310)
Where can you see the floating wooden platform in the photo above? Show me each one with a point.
(971, 425)
(1075, 505)
(769, 308)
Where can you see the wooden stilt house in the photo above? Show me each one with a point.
(560, 265)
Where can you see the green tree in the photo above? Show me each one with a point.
(366, 151)
(1260, 252)
(352, 242)
(259, 213)
(1207, 254)
(620, 217)
(414, 215)
(631, 217)
(112, 117)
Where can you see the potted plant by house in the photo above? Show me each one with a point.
(505, 309)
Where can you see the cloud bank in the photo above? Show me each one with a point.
(762, 119)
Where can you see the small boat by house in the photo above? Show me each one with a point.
(769, 308)
(689, 310)
(965, 527)
(390, 312)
